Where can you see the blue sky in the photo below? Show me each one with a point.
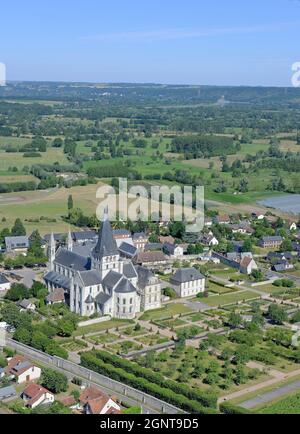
(222, 42)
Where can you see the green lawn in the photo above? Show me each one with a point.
(167, 311)
(229, 298)
(102, 326)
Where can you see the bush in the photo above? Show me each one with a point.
(228, 408)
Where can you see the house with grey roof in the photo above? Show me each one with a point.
(16, 244)
(173, 250)
(98, 277)
(273, 242)
(188, 282)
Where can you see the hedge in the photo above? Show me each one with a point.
(207, 399)
(90, 361)
(228, 408)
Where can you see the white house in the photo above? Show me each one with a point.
(173, 250)
(4, 283)
(22, 370)
(188, 282)
(94, 401)
(247, 265)
(26, 305)
(35, 395)
(293, 226)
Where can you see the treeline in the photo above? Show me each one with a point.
(180, 395)
(204, 146)
(115, 171)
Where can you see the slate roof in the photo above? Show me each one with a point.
(120, 232)
(272, 239)
(24, 303)
(58, 279)
(102, 298)
(56, 295)
(140, 236)
(129, 271)
(128, 250)
(186, 275)
(124, 286)
(84, 235)
(72, 260)
(12, 243)
(90, 277)
(111, 279)
(106, 245)
(144, 276)
(153, 247)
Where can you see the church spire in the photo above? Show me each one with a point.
(106, 245)
(70, 241)
(51, 250)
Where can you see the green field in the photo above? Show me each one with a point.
(224, 299)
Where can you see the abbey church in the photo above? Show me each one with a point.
(96, 279)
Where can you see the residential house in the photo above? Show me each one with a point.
(208, 222)
(56, 296)
(35, 395)
(257, 215)
(150, 258)
(273, 242)
(188, 282)
(140, 240)
(94, 401)
(26, 305)
(293, 226)
(84, 236)
(17, 244)
(169, 239)
(282, 266)
(247, 265)
(210, 240)
(152, 247)
(173, 250)
(22, 370)
(222, 219)
(4, 283)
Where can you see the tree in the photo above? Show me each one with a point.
(70, 203)
(17, 292)
(54, 381)
(277, 314)
(18, 229)
(66, 328)
(235, 320)
(22, 335)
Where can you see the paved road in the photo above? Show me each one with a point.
(270, 396)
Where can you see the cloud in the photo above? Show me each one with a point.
(169, 34)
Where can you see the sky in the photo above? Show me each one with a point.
(214, 42)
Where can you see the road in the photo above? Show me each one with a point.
(270, 396)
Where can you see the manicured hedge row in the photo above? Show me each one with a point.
(90, 361)
(228, 408)
(207, 399)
